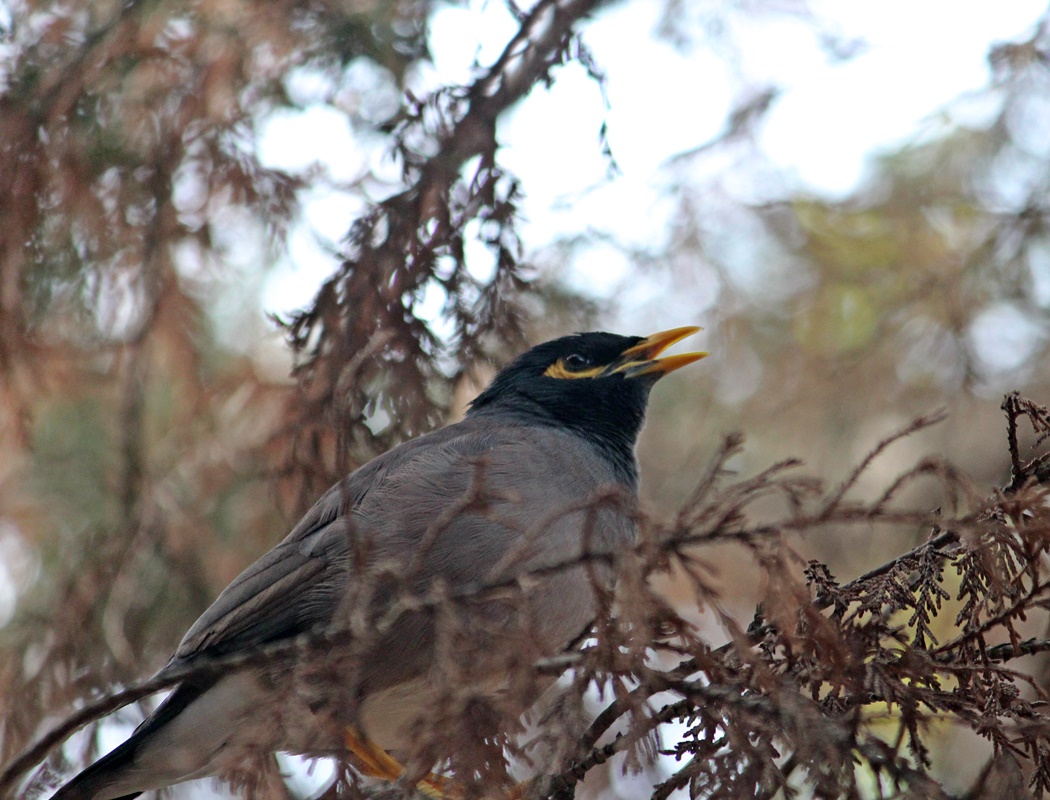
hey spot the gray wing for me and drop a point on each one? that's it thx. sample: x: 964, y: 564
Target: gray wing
x: 527, y: 474
x: 295, y: 587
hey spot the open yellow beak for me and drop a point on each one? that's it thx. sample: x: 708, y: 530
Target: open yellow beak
x: 641, y: 359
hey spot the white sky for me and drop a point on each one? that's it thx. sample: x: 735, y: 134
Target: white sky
x: 830, y: 118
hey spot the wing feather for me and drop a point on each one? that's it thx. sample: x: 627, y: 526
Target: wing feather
x: 298, y: 585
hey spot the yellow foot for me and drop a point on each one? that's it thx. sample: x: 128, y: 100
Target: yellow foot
x: 375, y: 762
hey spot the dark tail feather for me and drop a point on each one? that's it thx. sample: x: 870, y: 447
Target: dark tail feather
x: 104, y: 772
x: 99, y: 775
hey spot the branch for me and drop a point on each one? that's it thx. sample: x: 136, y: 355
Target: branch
x: 562, y: 785
x: 204, y: 666
x: 1016, y: 609
x: 917, y: 424
x: 649, y: 549
x: 38, y: 750
x: 403, y: 242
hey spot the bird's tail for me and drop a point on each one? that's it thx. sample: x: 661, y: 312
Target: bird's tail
x: 93, y: 782
x: 117, y: 775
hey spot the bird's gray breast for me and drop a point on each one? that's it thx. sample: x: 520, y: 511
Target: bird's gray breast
x: 508, y: 529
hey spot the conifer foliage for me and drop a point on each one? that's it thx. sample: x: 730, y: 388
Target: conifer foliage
x: 144, y: 459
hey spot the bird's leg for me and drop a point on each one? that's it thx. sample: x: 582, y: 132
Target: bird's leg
x: 375, y: 762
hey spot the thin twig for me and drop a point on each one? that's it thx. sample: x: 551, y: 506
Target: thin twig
x: 917, y: 424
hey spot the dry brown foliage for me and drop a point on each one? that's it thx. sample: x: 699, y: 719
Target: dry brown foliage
x: 830, y: 692
x: 835, y: 690
x: 127, y: 144
x: 361, y: 347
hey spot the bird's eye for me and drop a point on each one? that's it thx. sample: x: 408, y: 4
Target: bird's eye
x: 576, y: 362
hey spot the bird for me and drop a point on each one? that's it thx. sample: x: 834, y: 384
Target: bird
x: 479, y: 504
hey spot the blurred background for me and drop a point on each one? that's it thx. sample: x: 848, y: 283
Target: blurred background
x: 850, y: 198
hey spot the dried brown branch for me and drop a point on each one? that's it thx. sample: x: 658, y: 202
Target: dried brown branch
x: 786, y: 701
x: 407, y: 242
x: 917, y: 424
x: 931, y: 553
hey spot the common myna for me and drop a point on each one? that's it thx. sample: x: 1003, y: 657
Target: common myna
x: 496, y: 514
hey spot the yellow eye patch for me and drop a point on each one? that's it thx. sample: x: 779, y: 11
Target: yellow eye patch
x: 559, y: 370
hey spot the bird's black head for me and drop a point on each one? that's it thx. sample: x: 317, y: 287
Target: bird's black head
x: 594, y: 384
